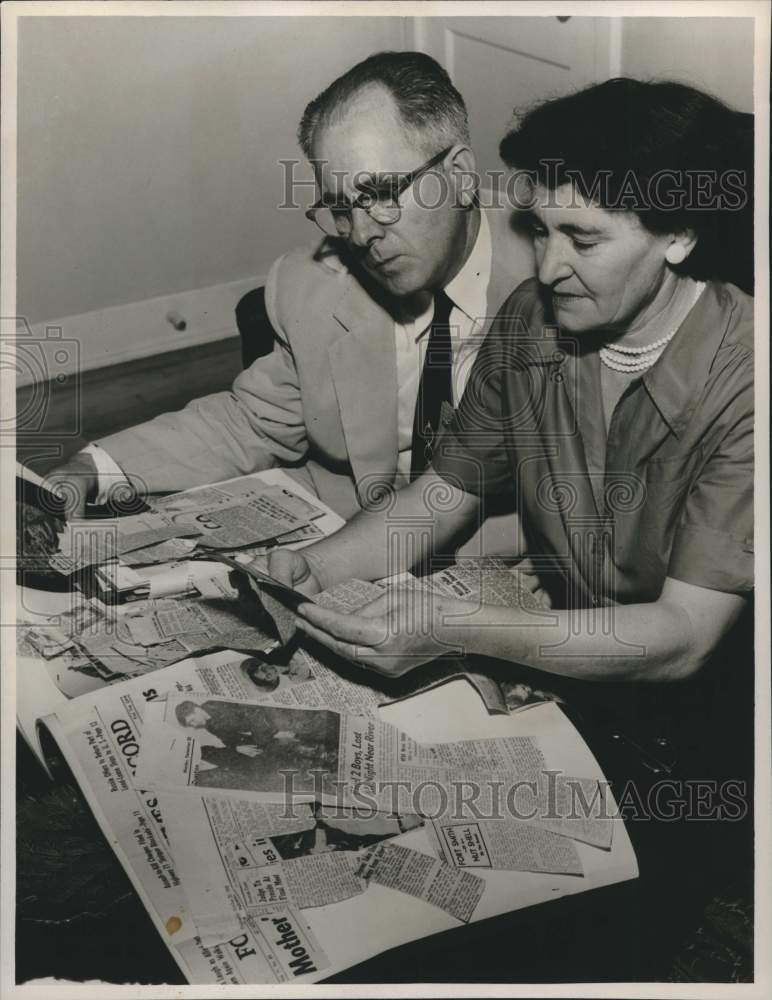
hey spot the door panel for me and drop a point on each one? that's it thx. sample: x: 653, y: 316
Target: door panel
x: 505, y: 63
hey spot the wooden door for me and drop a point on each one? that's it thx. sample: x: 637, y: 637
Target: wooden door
x: 505, y: 63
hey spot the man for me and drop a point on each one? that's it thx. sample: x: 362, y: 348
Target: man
x: 250, y: 745
x: 405, y: 241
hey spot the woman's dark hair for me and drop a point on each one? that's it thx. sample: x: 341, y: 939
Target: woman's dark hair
x: 677, y: 157
x: 252, y: 666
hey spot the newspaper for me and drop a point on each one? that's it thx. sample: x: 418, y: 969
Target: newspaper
x: 241, y: 512
x: 275, y: 948
x: 180, y: 548
x: 101, y: 740
x: 239, y: 858
x: 484, y: 581
x: 170, y: 550
x: 280, y: 753
x: 397, y: 867
x: 203, y: 499
x: 504, y: 843
x: 232, y: 515
x: 85, y: 543
x: 91, y: 644
x: 264, y: 864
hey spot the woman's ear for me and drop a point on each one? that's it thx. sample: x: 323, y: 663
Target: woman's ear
x: 462, y: 171
x: 680, y: 246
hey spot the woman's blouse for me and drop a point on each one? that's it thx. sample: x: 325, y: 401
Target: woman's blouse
x: 672, y: 493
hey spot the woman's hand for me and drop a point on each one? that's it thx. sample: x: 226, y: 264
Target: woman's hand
x: 533, y: 582
x: 397, y: 632
x: 295, y: 570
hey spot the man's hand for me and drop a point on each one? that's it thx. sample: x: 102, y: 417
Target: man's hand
x: 75, y: 481
x: 295, y: 570
x: 395, y: 633
x: 248, y: 750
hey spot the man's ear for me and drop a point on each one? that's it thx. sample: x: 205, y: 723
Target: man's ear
x: 680, y: 246
x: 462, y: 171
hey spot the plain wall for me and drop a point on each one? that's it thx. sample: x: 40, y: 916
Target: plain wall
x: 149, y: 147
x: 712, y: 53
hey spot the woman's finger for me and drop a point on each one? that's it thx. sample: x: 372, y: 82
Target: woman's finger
x: 346, y: 649
x: 349, y: 628
x: 376, y: 608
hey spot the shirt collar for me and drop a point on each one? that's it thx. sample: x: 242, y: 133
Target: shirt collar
x: 468, y: 290
x: 676, y: 381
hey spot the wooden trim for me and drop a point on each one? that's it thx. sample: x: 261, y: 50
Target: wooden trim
x: 74, y: 344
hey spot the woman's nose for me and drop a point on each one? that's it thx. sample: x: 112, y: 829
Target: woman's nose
x: 552, y: 263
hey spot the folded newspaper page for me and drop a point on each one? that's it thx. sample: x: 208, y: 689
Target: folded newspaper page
x: 261, y: 877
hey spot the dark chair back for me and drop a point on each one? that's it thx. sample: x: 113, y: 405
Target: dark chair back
x: 254, y: 326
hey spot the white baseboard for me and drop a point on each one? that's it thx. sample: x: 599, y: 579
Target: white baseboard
x: 62, y: 347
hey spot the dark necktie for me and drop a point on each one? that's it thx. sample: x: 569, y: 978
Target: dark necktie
x: 435, y: 387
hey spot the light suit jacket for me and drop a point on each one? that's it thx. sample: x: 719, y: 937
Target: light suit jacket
x: 323, y: 401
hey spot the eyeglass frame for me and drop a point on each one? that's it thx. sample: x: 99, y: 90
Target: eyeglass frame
x: 406, y: 182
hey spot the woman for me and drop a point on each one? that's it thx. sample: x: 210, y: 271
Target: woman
x: 264, y: 675
x: 613, y: 395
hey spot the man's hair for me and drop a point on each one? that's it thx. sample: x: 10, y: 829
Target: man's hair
x: 631, y: 135
x: 427, y: 101
x: 183, y: 710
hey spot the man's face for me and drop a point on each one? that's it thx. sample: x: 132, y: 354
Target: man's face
x: 197, y: 718
x: 603, y: 268
x: 427, y: 245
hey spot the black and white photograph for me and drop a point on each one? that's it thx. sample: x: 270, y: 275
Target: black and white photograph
x: 352, y: 299
x: 241, y: 745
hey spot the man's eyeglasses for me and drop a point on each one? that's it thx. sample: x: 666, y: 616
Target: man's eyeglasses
x: 380, y: 200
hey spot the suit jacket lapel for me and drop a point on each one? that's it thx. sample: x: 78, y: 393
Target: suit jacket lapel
x: 364, y: 370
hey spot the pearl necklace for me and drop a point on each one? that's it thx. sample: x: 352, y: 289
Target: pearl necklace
x: 634, y: 359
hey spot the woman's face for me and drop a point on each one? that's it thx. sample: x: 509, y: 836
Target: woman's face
x: 265, y: 672
x: 604, y: 268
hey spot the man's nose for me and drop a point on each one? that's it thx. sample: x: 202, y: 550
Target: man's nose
x: 364, y: 229
x: 552, y: 263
